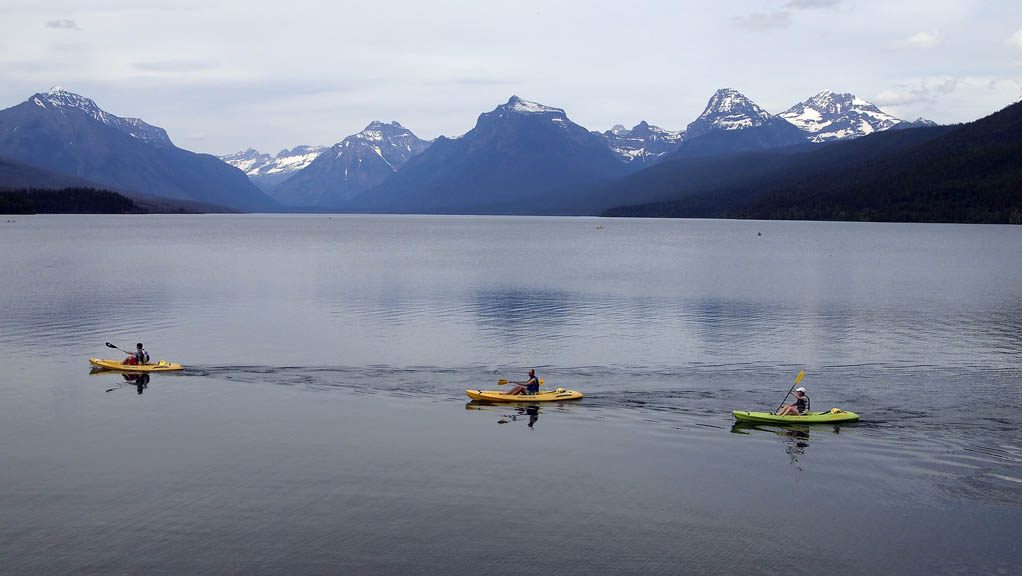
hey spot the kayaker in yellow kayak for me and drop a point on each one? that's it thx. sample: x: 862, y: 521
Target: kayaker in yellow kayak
x: 139, y: 357
x: 799, y: 406
x: 529, y: 387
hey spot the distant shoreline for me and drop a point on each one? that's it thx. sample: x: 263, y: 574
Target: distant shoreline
x: 84, y: 200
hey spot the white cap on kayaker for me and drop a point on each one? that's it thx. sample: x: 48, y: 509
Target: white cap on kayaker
x: 800, y: 389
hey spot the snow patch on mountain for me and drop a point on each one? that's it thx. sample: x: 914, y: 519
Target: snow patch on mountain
x: 644, y: 143
x: 829, y: 116
x: 254, y: 164
x: 516, y: 104
x: 517, y: 107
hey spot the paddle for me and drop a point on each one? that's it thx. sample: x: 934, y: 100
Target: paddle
x: 501, y: 382
x: 109, y: 345
x: 797, y: 380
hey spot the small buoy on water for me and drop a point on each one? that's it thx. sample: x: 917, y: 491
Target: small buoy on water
x: 759, y: 233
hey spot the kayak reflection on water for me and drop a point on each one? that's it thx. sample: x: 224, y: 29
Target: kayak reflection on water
x: 141, y: 381
x: 796, y: 438
x: 532, y: 411
x: 521, y: 412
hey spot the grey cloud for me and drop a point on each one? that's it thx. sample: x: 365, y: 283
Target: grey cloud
x: 779, y: 19
x: 63, y: 24
x: 925, y: 91
x: 763, y: 20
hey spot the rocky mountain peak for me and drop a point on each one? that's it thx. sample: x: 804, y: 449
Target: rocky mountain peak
x: 520, y: 106
x: 727, y: 109
x: 62, y: 101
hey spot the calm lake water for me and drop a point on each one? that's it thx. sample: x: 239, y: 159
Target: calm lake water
x: 321, y: 424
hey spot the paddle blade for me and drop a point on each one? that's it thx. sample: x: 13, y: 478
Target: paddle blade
x: 800, y: 375
x: 109, y: 345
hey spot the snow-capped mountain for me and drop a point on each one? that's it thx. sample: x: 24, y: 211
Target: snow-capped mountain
x: 359, y: 162
x: 642, y: 145
x: 62, y: 101
x: 731, y: 123
x: 249, y: 161
x: 69, y: 134
x: 829, y: 116
x: 267, y: 171
x: 728, y: 109
x: 517, y: 156
x: 917, y: 123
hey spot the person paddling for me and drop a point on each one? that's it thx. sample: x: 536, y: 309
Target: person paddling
x: 139, y: 357
x: 799, y: 406
x: 531, y: 386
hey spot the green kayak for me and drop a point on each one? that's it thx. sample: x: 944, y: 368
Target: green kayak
x: 834, y: 415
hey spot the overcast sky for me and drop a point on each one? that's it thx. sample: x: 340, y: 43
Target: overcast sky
x: 224, y: 76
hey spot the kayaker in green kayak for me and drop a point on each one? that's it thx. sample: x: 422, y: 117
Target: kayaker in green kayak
x: 529, y: 387
x: 139, y: 357
x: 799, y: 406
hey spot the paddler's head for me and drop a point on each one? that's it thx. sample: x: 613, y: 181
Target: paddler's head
x: 532, y: 372
x: 800, y: 390
x: 139, y: 345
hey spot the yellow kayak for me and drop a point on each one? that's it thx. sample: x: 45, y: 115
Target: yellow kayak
x: 545, y: 396
x: 161, y: 366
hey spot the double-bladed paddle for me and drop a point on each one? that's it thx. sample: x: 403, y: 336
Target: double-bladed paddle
x: 501, y: 382
x: 109, y: 345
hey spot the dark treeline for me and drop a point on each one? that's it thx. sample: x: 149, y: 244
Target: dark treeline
x: 67, y: 201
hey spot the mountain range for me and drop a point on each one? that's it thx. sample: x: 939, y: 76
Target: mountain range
x: 522, y: 157
x: 356, y: 173
x: 965, y: 173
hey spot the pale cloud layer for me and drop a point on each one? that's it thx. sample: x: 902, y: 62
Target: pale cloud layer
x: 221, y: 76
x: 924, y: 40
x: 763, y: 20
x: 1016, y: 39
x: 810, y: 4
